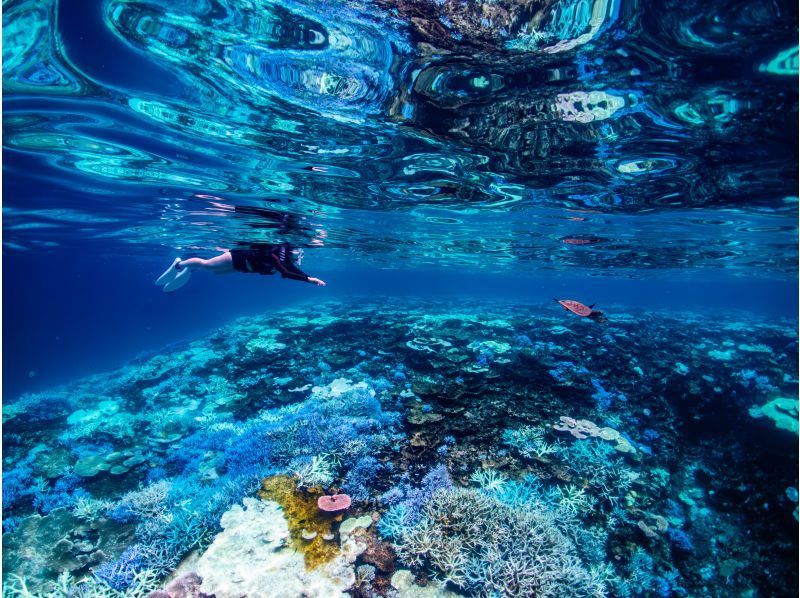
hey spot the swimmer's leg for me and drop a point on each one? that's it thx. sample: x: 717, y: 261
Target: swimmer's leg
x: 221, y: 264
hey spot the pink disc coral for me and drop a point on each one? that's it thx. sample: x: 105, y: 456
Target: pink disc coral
x: 334, y: 503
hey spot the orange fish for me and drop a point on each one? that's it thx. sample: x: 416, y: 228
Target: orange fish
x: 584, y: 311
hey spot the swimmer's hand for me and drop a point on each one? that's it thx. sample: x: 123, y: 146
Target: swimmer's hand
x: 316, y: 281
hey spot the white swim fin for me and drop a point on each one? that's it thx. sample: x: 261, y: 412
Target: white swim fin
x: 169, y: 274
x: 180, y: 279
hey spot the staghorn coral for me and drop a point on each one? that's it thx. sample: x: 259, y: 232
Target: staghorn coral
x: 395, y: 522
x: 363, y: 474
x: 488, y: 479
x: 477, y: 543
x: 364, y: 575
x: 316, y: 472
x: 142, y: 585
x: 600, y: 467
x: 529, y: 442
x: 149, y: 502
x: 413, y: 499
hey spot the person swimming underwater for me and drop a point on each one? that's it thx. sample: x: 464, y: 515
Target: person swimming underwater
x: 261, y: 259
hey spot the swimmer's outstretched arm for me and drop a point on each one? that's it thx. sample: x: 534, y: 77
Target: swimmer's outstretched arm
x: 293, y: 272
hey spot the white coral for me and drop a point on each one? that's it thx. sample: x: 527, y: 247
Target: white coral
x: 317, y: 473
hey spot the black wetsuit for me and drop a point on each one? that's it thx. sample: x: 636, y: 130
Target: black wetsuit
x: 267, y: 259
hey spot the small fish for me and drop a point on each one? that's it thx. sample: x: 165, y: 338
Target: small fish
x: 574, y: 241
x: 584, y: 311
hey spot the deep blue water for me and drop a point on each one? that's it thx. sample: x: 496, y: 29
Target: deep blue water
x: 107, y: 311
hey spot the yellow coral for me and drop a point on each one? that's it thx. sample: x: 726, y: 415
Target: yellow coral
x: 302, y: 513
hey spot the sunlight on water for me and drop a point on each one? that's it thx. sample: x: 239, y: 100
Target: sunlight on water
x: 486, y: 124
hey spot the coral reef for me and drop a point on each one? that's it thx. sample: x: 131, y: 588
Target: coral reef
x: 477, y: 543
x: 253, y: 556
x: 623, y: 456
x: 784, y: 412
x: 43, y: 547
x: 307, y: 526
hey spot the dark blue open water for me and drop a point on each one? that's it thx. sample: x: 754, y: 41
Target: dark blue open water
x: 441, y: 161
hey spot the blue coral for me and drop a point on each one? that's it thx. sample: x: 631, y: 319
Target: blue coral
x: 18, y: 483
x: 120, y: 574
x: 395, y: 522
x: 680, y: 540
x: 359, y: 479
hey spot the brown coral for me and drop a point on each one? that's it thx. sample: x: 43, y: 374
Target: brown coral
x: 379, y: 554
x: 302, y: 513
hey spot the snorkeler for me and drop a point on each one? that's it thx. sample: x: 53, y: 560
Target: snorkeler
x: 261, y: 259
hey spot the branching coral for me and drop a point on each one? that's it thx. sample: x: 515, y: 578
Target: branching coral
x: 529, y: 442
x: 414, y: 499
x: 395, y: 522
x: 488, y: 479
x: 364, y: 575
x: 317, y: 472
x: 149, y: 502
x: 361, y: 476
x: 600, y: 466
x: 476, y: 542
x: 90, y: 508
x: 574, y: 499
x: 120, y: 574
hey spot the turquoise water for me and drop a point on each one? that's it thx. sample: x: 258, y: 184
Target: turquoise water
x: 450, y: 168
x: 440, y: 141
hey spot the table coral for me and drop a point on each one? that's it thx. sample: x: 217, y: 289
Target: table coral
x: 782, y: 411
